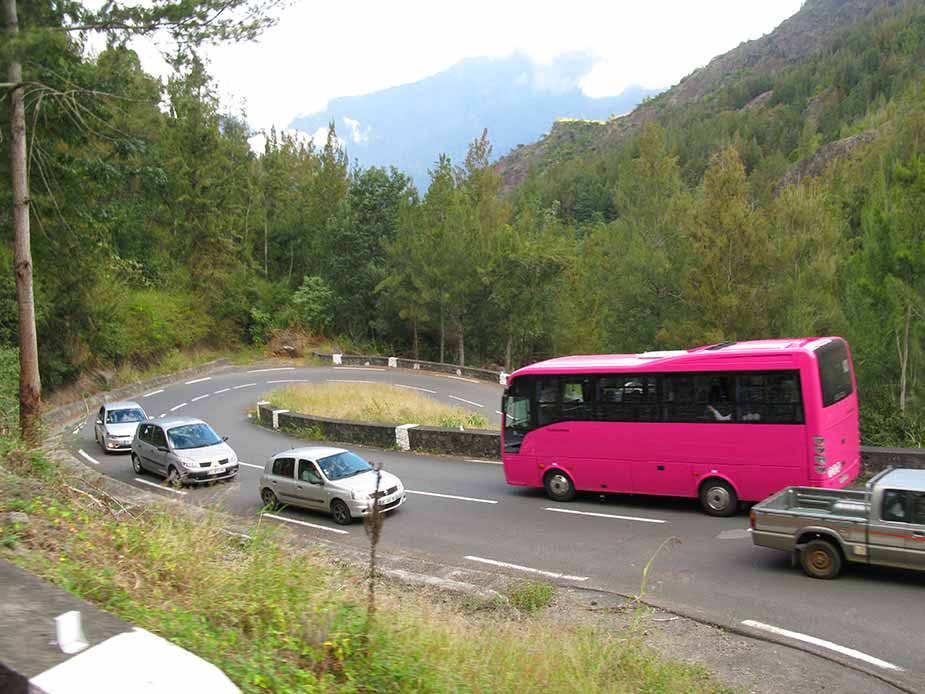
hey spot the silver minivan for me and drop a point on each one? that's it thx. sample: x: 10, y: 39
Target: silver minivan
x: 185, y: 450
x: 116, y: 423
x: 333, y: 480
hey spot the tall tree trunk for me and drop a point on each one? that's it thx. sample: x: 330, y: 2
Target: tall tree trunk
x: 507, y: 353
x: 266, y: 232
x: 414, y: 327
x: 903, y: 349
x: 462, y: 346
x: 442, y: 334
x: 30, y: 383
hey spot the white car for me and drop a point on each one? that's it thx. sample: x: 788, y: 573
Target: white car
x: 116, y: 423
x: 185, y: 450
x: 333, y: 480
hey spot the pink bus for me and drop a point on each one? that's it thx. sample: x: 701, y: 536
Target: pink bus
x: 731, y: 422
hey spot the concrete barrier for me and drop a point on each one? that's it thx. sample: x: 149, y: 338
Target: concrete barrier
x: 874, y: 459
x: 415, y: 364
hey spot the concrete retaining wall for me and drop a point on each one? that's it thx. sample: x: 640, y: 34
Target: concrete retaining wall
x: 476, y: 443
x: 398, y: 362
x: 875, y: 459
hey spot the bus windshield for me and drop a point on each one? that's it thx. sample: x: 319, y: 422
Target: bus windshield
x: 516, y: 414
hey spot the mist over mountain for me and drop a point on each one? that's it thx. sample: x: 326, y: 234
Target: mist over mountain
x: 516, y: 98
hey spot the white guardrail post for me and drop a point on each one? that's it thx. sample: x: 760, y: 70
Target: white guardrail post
x: 393, y: 362
x: 502, y: 378
x: 337, y: 359
x: 401, y: 436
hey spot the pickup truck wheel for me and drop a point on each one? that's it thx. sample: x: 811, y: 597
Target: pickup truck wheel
x: 820, y: 559
x: 718, y: 498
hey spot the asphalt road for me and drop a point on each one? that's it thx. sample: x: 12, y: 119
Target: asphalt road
x: 713, y: 571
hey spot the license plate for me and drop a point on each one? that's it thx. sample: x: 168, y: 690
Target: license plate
x: 215, y: 471
x: 843, y: 478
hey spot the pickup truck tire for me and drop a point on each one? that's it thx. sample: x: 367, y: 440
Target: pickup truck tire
x: 820, y: 559
x: 718, y: 498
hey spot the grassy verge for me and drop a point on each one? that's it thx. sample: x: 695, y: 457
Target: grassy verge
x: 279, y: 619
x: 375, y: 403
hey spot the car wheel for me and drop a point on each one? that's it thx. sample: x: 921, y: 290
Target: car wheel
x: 340, y: 512
x: 173, y: 477
x: 269, y: 499
x: 718, y: 498
x: 559, y: 486
x: 820, y: 559
x: 136, y: 464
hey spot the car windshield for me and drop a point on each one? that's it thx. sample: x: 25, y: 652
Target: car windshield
x: 193, y: 436
x: 127, y: 416
x: 341, y: 465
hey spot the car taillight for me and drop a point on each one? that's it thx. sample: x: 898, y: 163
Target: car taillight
x: 751, y: 520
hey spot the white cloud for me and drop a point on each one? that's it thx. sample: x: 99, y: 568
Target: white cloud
x: 356, y: 133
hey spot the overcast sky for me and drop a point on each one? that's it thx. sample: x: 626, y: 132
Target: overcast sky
x: 322, y: 50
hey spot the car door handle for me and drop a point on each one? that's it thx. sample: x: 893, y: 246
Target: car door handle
x: 272, y: 481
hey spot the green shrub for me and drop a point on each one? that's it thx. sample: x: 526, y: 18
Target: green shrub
x: 9, y: 390
x: 532, y: 596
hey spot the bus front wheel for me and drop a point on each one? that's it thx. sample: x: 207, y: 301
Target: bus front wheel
x: 559, y: 486
x: 718, y: 498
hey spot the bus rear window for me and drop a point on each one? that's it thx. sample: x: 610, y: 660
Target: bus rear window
x: 834, y: 372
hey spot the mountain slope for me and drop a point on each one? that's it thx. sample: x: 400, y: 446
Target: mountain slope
x: 409, y: 126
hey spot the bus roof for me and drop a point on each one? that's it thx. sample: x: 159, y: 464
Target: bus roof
x: 757, y: 354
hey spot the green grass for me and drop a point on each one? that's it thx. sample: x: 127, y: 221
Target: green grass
x: 276, y: 618
x: 375, y: 403
x: 532, y: 596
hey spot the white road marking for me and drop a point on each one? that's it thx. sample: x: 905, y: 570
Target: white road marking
x: 309, y: 525
x: 163, y: 414
x: 479, y: 460
x: 177, y: 407
x: 359, y: 368
x: 850, y: 652
x: 460, y: 378
x: 345, y: 380
x: 468, y: 402
x: 199, y: 380
x: 259, y: 467
x: 223, y: 390
x: 76, y: 429
x: 160, y: 486
x: 451, y: 496
x: 423, y: 390
x: 605, y: 515
x: 280, y: 368
x: 153, y: 392
x: 243, y: 385
x: 503, y: 564
x: 291, y: 380
x: 83, y: 454
x: 201, y: 397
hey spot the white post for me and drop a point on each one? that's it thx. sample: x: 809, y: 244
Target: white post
x: 337, y: 359
x: 502, y: 378
x: 276, y: 414
x: 402, y: 440
x: 393, y: 362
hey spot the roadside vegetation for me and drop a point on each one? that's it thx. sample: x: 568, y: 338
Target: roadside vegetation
x: 379, y: 403
x: 276, y: 618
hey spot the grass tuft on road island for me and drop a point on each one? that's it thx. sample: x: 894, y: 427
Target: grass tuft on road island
x: 379, y: 403
x: 275, y: 618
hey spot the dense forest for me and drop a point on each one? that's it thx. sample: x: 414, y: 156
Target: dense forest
x: 156, y: 227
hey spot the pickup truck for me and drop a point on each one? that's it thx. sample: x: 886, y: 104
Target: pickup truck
x: 824, y: 529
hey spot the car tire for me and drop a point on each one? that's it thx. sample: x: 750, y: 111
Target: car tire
x: 340, y: 512
x: 136, y: 465
x: 718, y: 498
x: 269, y: 498
x: 821, y: 559
x: 559, y: 486
x: 173, y: 477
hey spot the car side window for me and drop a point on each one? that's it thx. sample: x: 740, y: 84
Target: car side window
x: 144, y: 433
x: 308, y: 472
x: 284, y: 467
x: 101, y: 415
x: 918, y: 508
x: 895, y: 506
x: 158, y: 438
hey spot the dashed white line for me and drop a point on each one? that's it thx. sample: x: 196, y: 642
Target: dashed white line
x: 480, y: 460
x: 423, y: 390
x: 460, y: 378
x: 468, y: 402
x: 844, y: 650
x: 243, y: 385
x: 291, y: 380
x: 162, y: 415
x: 153, y: 392
x: 160, y: 486
x: 518, y: 567
x: 605, y: 515
x: 259, y: 467
x: 309, y: 525
x: 200, y: 397
x: 345, y: 380
x: 359, y: 368
x: 83, y: 454
x: 451, y: 496
x: 223, y: 390
x: 199, y: 380
x: 177, y: 407
x: 280, y: 368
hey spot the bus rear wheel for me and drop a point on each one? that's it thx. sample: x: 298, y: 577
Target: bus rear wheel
x: 718, y: 498
x: 559, y: 486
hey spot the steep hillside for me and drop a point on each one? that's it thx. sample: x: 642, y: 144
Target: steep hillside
x: 514, y: 97
x: 811, y: 31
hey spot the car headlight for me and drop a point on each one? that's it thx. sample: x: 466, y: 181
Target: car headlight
x: 233, y: 458
x: 357, y: 496
x: 188, y: 463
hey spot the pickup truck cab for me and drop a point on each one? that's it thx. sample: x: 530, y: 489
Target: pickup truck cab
x: 824, y: 529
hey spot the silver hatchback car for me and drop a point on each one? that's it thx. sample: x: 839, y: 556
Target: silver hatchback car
x: 334, y: 480
x: 185, y: 450
x: 116, y: 423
